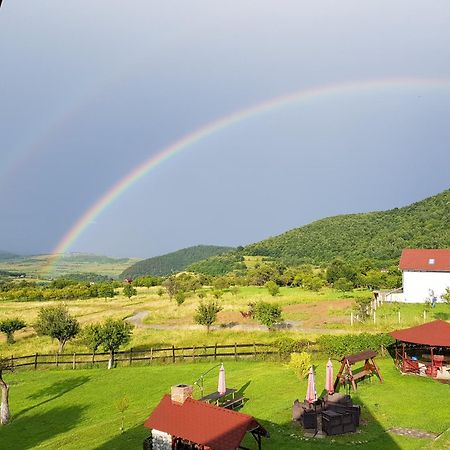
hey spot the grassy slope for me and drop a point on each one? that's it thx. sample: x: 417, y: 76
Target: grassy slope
x: 173, y: 262
x: 77, y: 409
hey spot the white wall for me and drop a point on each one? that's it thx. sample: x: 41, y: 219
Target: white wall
x: 417, y: 285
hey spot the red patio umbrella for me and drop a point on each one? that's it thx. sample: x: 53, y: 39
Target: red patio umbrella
x: 221, y: 387
x: 311, y: 394
x: 329, y: 385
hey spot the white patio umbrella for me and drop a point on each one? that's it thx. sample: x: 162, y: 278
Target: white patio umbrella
x: 311, y: 394
x: 329, y: 385
x: 221, y: 387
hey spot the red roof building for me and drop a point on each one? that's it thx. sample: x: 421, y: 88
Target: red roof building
x: 434, y: 334
x: 426, y: 260
x: 203, y: 424
x: 426, y: 274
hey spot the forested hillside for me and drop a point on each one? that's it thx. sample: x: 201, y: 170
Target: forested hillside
x: 7, y: 255
x: 173, y: 262
x: 380, y: 236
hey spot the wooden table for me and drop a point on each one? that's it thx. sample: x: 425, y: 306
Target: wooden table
x: 216, y: 397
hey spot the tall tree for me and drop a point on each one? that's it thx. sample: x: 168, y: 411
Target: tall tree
x: 56, y: 322
x: 10, y: 326
x: 129, y: 290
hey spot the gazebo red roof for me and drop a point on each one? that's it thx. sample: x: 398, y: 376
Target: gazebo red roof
x: 425, y: 259
x: 435, y: 334
x: 202, y: 423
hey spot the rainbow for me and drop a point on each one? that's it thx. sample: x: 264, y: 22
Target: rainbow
x: 220, y: 124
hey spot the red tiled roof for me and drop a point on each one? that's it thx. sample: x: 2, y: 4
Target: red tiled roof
x: 436, y: 333
x: 202, y: 423
x: 429, y: 260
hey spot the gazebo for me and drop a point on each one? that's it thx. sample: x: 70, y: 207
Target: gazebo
x: 424, y: 349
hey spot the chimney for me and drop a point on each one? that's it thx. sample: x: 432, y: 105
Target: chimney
x: 181, y: 392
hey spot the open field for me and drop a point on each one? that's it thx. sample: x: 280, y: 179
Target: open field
x: 308, y: 314
x: 36, y: 266
x: 77, y: 409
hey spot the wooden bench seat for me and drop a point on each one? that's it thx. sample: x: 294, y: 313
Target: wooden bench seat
x: 233, y: 403
x: 361, y: 374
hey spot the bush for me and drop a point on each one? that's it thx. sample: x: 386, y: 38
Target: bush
x: 287, y: 345
x: 273, y: 288
x: 343, y: 285
x: 300, y: 363
x: 267, y: 314
x: 347, y: 344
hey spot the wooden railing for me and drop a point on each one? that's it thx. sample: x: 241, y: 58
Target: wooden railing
x: 170, y: 354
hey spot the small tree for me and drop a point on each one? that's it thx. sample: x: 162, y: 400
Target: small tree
x: 363, y: 308
x: 267, y: 314
x: 92, y: 336
x: 446, y: 295
x: 129, y: 291
x: 180, y: 297
x: 122, y: 405
x: 206, y: 313
x: 273, y: 288
x: 10, y: 326
x: 56, y: 322
x: 5, y: 364
x: 115, y: 333
x: 105, y: 290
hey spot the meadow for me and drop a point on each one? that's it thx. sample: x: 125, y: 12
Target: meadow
x: 307, y: 314
x: 78, y: 409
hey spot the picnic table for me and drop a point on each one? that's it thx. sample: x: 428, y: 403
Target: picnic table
x: 227, y: 400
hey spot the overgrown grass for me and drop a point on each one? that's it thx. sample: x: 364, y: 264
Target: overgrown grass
x: 77, y: 409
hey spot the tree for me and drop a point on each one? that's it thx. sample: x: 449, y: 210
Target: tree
x: 206, y: 313
x: 105, y: 290
x: 180, y: 297
x: 171, y: 286
x: 273, y: 288
x: 446, y: 295
x: 10, y: 326
x: 312, y: 282
x: 343, y: 285
x: 5, y: 364
x: 267, y: 314
x: 92, y: 336
x: 56, y: 322
x: 129, y: 291
x: 115, y: 333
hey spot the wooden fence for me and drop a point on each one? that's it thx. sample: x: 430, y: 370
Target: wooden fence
x: 167, y: 355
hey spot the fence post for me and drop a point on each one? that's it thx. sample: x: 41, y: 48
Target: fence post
x: 35, y: 361
x: 93, y: 357
x: 193, y: 353
x: 56, y: 359
x: 151, y: 354
x: 215, y: 352
x: 254, y: 350
x: 235, y: 351
x: 12, y: 362
x: 131, y: 355
x: 74, y: 361
x: 173, y: 353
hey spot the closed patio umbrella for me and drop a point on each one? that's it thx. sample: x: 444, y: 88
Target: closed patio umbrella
x: 221, y: 387
x: 329, y: 385
x: 311, y: 395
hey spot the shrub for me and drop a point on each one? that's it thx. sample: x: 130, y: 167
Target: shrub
x: 267, y: 314
x: 343, y: 285
x: 287, y: 345
x: 300, y: 363
x: 273, y: 288
x: 180, y: 297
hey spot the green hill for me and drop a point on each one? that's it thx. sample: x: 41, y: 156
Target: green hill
x: 173, y: 262
x: 380, y: 236
x: 7, y: 255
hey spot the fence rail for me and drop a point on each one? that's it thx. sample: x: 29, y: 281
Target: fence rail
x: 168, y: 354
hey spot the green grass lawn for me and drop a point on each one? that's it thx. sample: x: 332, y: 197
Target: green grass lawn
x: 77, y: 409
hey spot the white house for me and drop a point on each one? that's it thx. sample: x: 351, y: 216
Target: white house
x: 426, y: 273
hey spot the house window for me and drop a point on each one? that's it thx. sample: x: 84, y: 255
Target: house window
x: 431, y: 261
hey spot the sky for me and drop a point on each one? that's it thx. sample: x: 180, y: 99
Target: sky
x: 89, y: 91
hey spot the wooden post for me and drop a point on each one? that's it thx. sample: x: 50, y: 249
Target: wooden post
x: 35, y: 361
x: 93, y: 357
x: 399, y: 317
x: 374, y: 317
x: 215, y: 352
x: 254, y: 350
x: 235, y: 351
x: 424, y: 315
x: 74, y: 361
x: 56, y: 359
x: 12, y: 362
x: 351, y: 318
x: 151, y: 354
x: 173, y: 353
x: 131, y: 355
x: 193, y: 353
